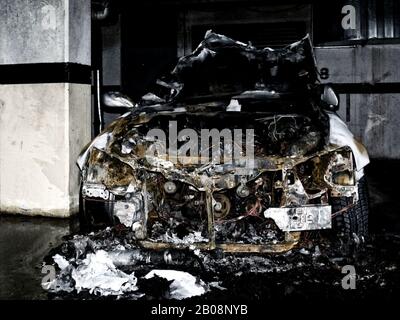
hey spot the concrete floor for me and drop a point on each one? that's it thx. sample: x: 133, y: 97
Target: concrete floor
x: 24, y: 241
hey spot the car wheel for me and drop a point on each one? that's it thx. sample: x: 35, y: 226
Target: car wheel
x: 355, y: 219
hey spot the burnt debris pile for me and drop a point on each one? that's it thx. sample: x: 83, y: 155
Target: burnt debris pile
x: 108, y: 264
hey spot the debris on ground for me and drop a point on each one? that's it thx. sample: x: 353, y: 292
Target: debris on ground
x: 183, y: 285
x: 110, y: 264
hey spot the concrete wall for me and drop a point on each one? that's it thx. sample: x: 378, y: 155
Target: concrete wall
x: 44, y: 31
x: 361, y: 64
x: 372, y: 117
x: 43, y: 125
x: 374, y: 120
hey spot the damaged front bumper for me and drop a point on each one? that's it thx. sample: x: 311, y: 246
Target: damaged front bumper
x: 291, y: 240
x: 291, y: 221
x: 301, y: 218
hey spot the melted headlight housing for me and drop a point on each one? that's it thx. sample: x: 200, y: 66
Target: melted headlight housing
x: 109, y: 171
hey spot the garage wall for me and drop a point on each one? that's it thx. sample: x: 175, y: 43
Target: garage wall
x: 360, y: 64
x: 45, y: 104
x: 44, y: 31
x: 374, y: 120
x: 370, y: 77
x: 234, y: 20
x: 39, y: 144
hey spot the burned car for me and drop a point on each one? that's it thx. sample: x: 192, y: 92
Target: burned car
x: 241, y: 150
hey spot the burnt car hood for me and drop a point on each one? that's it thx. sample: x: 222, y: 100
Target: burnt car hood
x: 221, y: 66
x: 126, y: 140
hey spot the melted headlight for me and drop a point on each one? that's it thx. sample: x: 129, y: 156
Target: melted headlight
x: 104, y: 169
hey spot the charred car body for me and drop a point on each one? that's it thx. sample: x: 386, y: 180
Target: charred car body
x: 305, y: 173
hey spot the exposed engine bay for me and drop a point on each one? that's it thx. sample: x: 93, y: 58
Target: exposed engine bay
x: 154, y: 170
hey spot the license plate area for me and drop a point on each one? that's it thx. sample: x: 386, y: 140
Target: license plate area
x: 301, y: 218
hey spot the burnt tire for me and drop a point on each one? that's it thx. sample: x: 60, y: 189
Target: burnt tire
x: 355, y: 219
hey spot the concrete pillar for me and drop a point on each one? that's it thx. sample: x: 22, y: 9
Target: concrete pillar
x: 45, y: 104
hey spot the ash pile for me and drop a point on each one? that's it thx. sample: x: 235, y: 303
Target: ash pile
x: 109, y: 264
